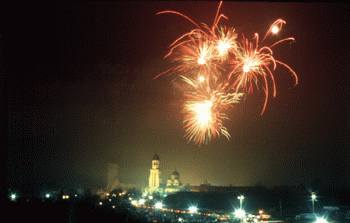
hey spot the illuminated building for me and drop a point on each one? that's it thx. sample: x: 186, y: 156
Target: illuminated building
x: 154, y: 175
x: 173, y: 183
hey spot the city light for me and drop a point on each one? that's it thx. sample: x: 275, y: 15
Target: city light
x: 321, y: 220
x: 240, y: 198
x: 239, y: 213
x: 47, y: 195
x: 134, y: 202
x: 158, y: 205
x: 313, y: 199
x: 142, y: 201
x: 100, y: 203
x: 180, y: 220
x: 113, y: 206
x: 193, y: 209
x: 65, y: 197
x: 313, y: 196
x: 13, y: 197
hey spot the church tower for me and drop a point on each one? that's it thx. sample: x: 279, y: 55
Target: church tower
x: 153, y: 181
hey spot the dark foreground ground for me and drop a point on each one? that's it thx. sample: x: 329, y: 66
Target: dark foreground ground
x: 72, y: 212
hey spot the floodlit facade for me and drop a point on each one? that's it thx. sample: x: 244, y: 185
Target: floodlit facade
x: 154, y: 176
x: 173, y: 183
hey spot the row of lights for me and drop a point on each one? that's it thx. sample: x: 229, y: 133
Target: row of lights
x: 65, y: 197
x: 238, y: 213
x: 14, y: 196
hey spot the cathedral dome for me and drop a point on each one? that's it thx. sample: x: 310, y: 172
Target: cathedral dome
x: 175, y: 173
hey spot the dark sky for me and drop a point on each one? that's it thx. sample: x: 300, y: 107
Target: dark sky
x: 81, y: 94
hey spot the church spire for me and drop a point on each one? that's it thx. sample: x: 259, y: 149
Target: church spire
x: 156, y: 157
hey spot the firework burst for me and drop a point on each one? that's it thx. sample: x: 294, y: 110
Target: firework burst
x: 217, y: 69
x: 254, y: 66
x: 205, y: 111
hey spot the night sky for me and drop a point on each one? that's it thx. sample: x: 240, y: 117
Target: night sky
x: 81, y: 94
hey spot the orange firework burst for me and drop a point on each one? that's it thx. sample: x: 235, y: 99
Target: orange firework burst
x: 204, y: 111
x: 253, y: 65
x: 217, y: 69
x: 202, y: 49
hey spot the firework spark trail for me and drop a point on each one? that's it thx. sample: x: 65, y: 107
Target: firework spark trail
x: 254, y: 65
x: 204, y: 111
x: 217, y: 69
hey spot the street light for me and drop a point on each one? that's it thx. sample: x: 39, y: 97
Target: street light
x: 193, y: 209
x: 313, y: 199
x: 240, y: 198
x: 321, y: 220
x: 142, y: 201
x: 239, y: 213
x: 134, y: 202
x: 158, y: 205
x: 47, y: 195
x: 201, y: 78
x: 13, y: 197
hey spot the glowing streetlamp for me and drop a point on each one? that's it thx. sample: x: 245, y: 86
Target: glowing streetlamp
x: 134, y: 202
x: 13, y: 197
x: 313, y: 199
x: 240, y: 198
x: 142, y: 201
x: 193, y: 209
x: 239, y: 213
x: 321, y: 220
x: 47, y: 195
x: 158, y: 205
